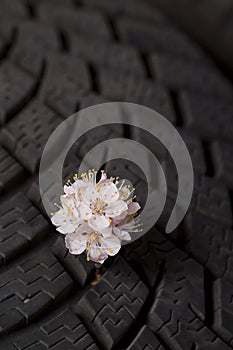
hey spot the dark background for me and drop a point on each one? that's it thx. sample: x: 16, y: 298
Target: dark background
x: 208, y: 22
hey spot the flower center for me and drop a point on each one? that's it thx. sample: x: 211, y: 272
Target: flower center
x: 93, y: 237
x: 98, y: 207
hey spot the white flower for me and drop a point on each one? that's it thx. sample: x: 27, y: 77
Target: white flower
x: 96, y: 217
x: 100, y: 203
x: 97, y: 244
x: 67, y: 218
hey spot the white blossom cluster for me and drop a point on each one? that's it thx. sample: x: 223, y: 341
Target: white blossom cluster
x: 96, y: 216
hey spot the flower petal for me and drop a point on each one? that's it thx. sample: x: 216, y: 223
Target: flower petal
x: 108, y: 192
x: 99, y: 222
x: 122, y: 235
x: 67, y: 228
x: 118, y: 219
x: 83, y: 228
x: 133, y: 208
x: 115, y: 209
x: 88, y: 193
x: 110, y: 245
x: 76, y: 244
x: 97, y: 255
x: 84, y: 211
x: 59, y: 218
x: 68, y: 190
x: 103, y: 178
x: 107, y: 232
x: 124, y: 193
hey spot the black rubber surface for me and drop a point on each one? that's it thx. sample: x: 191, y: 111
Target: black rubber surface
x: 162, y: 292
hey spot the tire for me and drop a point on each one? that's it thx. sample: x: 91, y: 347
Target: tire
x: 162, y: 291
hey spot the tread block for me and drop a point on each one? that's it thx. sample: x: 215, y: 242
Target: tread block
x: 205, y: 111
x: 110, y: 55
x: 29, y: 59
x: 150, y: 37
x: 127, y: 8
x: 111, y: 307
x: 149, y: 141
x: 125, y: 170
x: 223, y: 315
x: 70, y: 20
x: 64, y: 331
x: 179, y: 74
x: 35, y: 196
x: 210, y: 243
x: 145, y: 340
x: 44, y: 37
x: 66, y: 79
x: 71, y: 166
x: 178, y: 308
x: 77, y: 265
x: 151, y: 247
x: 10, y: 170
x: 222, y: 156
x: 15, y: 89
x: 195, y: 148
x: 13, y: 8
x: 33, y: 43
x: 120, y: 87
x: 192, y: 142
x: 26, y: 135
x: 93, y: 138
x: 210, y: 196
x: 21, y: 224
x: 29, y: 288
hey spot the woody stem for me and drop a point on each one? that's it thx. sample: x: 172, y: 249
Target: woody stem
x: 99, y: 270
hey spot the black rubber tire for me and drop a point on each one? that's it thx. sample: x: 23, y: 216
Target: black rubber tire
x: 162, y: 291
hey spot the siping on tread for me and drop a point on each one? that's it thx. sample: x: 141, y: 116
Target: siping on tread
x: 110, y: 308
x: 10, y: 170
x: 21, y: 225
x: 27, y: 289
x: 64, y: 331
